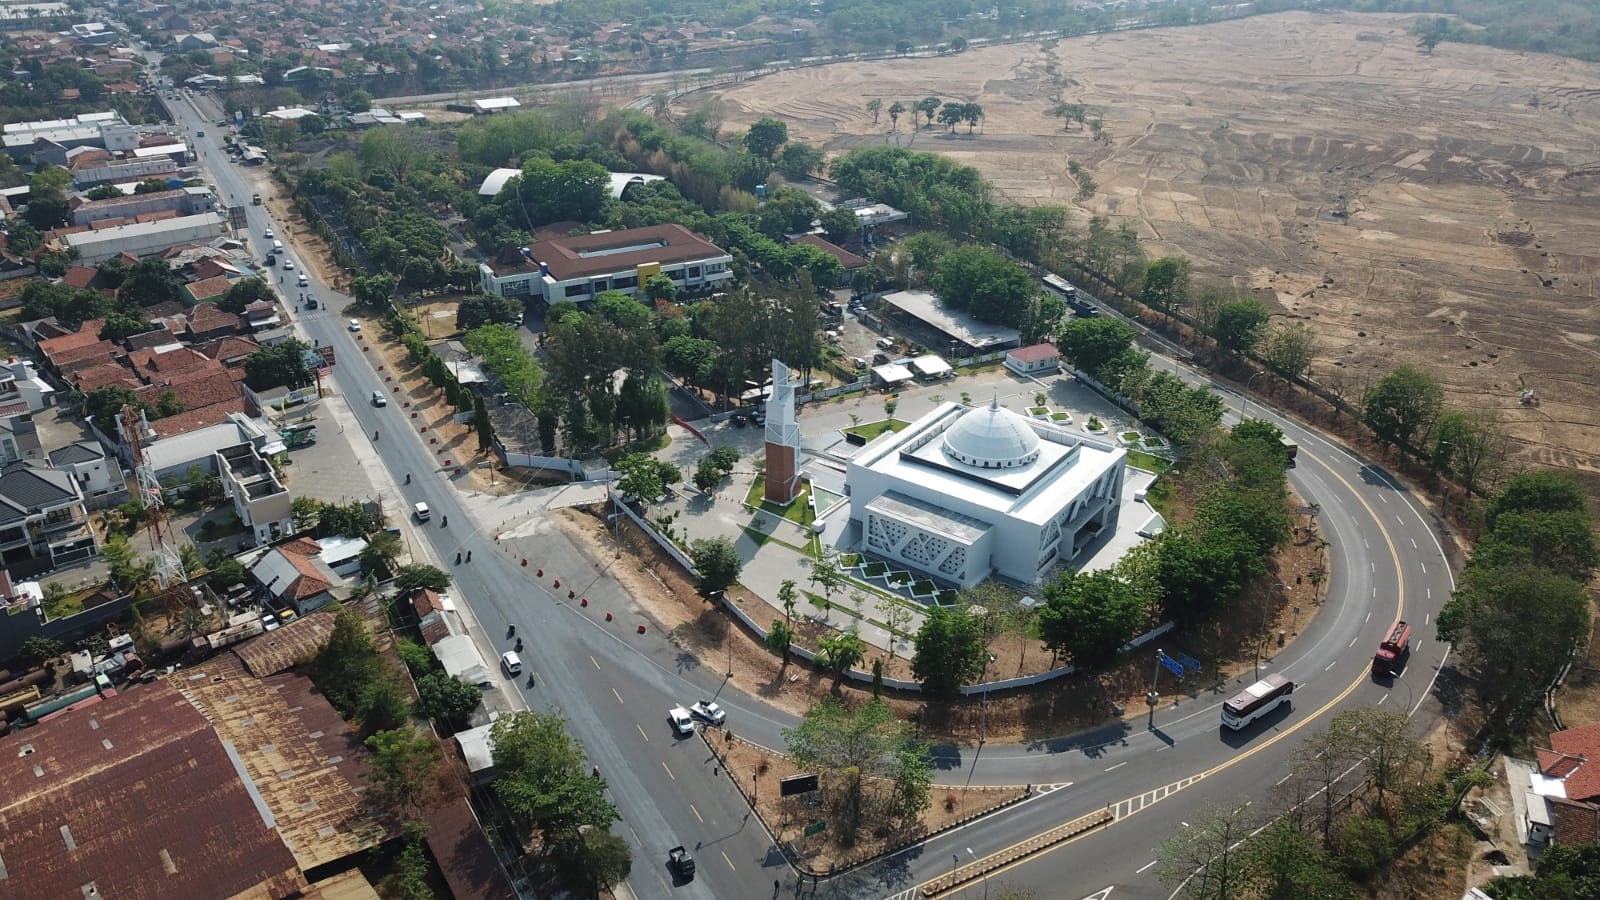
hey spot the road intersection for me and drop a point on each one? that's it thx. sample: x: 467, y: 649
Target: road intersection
x: 1154, y: 771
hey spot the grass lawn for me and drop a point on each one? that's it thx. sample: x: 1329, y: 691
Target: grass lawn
x: 873, y: 429
x: 1130, y: 436
x: 922, y: 587
x: 1160, y: 497
x: 1142, y: 460
x: 798, y: 512
x: 875, y: 570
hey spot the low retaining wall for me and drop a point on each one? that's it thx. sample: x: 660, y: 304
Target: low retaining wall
x: 975, y: 870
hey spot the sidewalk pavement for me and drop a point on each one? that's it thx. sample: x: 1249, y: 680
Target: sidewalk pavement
x: 767, y: 564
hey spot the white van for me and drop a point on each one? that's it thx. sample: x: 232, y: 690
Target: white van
x: 423, y: 512
x: 885, y: 343
x: 511, y: 663
x: 277, y: 246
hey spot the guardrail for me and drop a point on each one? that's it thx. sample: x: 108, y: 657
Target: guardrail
x: 975, y: 870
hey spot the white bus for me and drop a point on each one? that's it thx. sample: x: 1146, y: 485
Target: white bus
x: 1059, y: 286
x: 1256, y: 701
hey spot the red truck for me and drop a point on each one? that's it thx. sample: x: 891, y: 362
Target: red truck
x: 1393, y: 652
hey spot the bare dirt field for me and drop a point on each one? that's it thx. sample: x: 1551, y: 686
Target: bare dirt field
x: 1436, y: 210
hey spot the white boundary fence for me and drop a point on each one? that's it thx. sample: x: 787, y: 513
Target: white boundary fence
x: 856, y: 674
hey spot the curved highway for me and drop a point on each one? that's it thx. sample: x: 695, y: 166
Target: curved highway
x: 1154, y: 772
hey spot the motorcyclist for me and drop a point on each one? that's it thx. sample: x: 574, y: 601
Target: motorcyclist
x: 374, y: 434
x: 444, y: 521
x: 519, y: 645
x: 408, y: 478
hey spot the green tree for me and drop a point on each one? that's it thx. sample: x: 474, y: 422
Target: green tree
x: 928, y: 106
x: 1284, y: 864
x: 1391, y: 758
x: 280, y: 365
x: 373, y: 291
x: 1166, y: 285
x: 477, y: 310
x: 599, y: 861
x: 1239, y: 325
x: 407, y: 773
x: 1089, y: 617
x: 382, y: 702
x: 379, y: 556
x: 950, y: 651
x: 409, y: 878
x: 394, y: 151
x: 780, y: 638
x: 661, y: 289
x: 358, y: 101
x: 874, y: 106
x: 1094, y: 346
x: 765, y: 137
x: 1208, y: 861
x: 38, y: 650
x: 827, y: 574
x: 441, y: 695
x: 416, y: 577
x: 896, y: 110
x: 1539, y: 490
x: 1515, y: 626
x: 244, y: 292
x: 1470, y: 447
x: 840, y: 225
x: 1287, y: 350
x: 543, y: 782
x: 860, y: 749
x: 643, y: 477
x: 838, y: 654
x: 1402, y: 407
x: 984, y: 283
x: 800, y: 160
x: 717, y: 562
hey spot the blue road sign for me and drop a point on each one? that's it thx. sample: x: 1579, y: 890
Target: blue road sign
x: 1188, y: 662
x: 1171, y: 664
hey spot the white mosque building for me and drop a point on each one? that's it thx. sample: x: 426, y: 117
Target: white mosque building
x: 964, y: 493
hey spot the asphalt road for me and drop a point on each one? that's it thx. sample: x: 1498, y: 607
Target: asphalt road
x: 614, y: 696
x: 1155, y: 772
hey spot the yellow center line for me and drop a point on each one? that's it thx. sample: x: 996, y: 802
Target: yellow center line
x: 1133, y: 802
x: 669, y: 772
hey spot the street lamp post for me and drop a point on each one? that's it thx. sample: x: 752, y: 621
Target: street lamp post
x: 983, y: 718
x: 1266, y: 604
x: 1244, y: 398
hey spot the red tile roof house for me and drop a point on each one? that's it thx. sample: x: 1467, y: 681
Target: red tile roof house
x: 1573, y: 760
x: 851, y: 262
x: 291, y: 572
x: 1033, y: 360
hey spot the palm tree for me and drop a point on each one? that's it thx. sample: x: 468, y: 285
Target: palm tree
x: 787, y: 595
x: 380, y: 554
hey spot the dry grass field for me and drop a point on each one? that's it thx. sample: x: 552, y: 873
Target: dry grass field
x: 1439, y: 210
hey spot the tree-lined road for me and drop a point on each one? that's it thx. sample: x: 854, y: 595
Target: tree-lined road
x: 615, y: 686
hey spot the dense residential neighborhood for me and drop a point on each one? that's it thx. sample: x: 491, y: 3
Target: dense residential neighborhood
x: 816, y: 481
